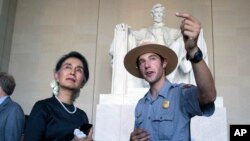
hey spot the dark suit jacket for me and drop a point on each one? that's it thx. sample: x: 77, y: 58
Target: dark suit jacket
x: 11, y: 121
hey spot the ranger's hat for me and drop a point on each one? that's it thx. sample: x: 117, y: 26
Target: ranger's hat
x: 130, y: 60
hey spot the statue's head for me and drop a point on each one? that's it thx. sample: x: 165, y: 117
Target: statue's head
x: 158, y: 12
x: 158, y: 5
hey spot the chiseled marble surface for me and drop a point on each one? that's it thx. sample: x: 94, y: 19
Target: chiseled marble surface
x: 115, y: 119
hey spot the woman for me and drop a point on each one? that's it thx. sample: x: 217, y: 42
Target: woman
x: 56, y: 118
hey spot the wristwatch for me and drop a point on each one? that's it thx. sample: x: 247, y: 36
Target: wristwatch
x: 197, y: 56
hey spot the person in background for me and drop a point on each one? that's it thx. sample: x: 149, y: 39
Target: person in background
x: 56, y: 118
x: 164, y: 113
x: 12, y: 118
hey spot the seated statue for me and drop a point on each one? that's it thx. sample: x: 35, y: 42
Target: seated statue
x: 125, y: 39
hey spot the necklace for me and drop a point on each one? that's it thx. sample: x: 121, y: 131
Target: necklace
x: 65, y: 107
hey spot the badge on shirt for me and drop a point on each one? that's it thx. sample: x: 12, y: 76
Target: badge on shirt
x: 165, y: 104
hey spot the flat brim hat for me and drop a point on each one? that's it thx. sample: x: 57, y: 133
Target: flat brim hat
x: 130, y: 60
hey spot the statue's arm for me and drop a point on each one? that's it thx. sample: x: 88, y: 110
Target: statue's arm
x: 139, y: 35
x: 185, y: 65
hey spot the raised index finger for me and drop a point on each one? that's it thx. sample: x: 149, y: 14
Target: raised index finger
x: 185, y: 16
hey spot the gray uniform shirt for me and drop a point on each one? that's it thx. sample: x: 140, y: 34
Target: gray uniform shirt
x: 167, y: 118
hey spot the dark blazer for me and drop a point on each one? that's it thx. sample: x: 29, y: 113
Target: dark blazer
x: 11, y: 121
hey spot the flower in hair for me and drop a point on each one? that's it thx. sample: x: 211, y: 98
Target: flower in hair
x: 54, y: 86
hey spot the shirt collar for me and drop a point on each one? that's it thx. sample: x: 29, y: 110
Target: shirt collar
x: 163, y: 91
x: 3, y: 98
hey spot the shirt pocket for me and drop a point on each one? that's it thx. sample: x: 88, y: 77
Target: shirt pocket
x: 164, y: 125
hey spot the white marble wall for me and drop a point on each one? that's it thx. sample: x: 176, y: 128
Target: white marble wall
x: 115, y: 115
x: 115, y: 119
x: 212, y: 128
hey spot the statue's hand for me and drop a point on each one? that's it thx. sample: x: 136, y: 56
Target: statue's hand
x: 190, y: 28
x: 121, y: 27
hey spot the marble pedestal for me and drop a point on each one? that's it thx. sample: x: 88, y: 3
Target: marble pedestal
x: 115, y: 119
